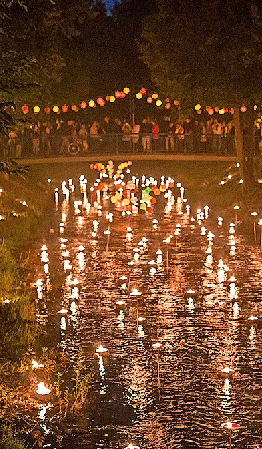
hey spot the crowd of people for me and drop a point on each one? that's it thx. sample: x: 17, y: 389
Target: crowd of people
x: 163, y: 135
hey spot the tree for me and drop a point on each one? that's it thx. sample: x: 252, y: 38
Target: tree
x: 32, y: 34
x: 209, y: 52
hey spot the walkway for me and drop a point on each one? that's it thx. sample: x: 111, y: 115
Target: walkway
x: 127, y: 156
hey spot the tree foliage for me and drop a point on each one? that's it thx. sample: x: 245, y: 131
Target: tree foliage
x: 208, y: 51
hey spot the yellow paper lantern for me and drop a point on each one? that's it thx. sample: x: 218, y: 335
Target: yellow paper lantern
x: 155, y: 96
x: 36, y: 109
x: 139, y: 95
x: 126, y: 90
x: 112, y: 99
x: 91, y: 103
x: 197, y: 107
x: 158, y: 103
x: 56, y: 109
x: 221, y: 111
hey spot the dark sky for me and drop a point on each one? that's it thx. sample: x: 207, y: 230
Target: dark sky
x: 109, y: 4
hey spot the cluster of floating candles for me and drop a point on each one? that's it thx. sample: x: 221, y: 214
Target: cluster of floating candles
x: 96, y: 205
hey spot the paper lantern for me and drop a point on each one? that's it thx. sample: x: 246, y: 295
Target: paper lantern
x: 83, y: 105
x: 149, y: 100
x: 199, y: 111
x: 197, y: 107
x: 216, y: 109
x: 221, y: 111
x: 255, y: 107
x: 112, y: 99
x: 155, y: 96
x: 139, y: 96
x: 56, y: 109
x: 117, y: 94
x: 176, y: 103
x: 232, y: 111
x: 243, y: 109
x: 167, y: 100
x: 108, y: 98
x: 122, y: 95
x: 74, y: 108
x: 143, y: 91
x: 25, y: 109
x: 64, y: 108
x: 91, y: 103
x: 99, y: 100
x: 158, y: 103
x: 168, y: 106
x: 210, y: 111
x: 47, y: 110
x: 36, y: 109
x: 126, y: 90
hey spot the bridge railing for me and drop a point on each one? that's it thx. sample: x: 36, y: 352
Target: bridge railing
x: 118, y: 144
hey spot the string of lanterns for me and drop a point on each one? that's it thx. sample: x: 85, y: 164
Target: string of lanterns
x: 167, y: 103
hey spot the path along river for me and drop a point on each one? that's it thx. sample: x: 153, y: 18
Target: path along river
x: 203, y: 318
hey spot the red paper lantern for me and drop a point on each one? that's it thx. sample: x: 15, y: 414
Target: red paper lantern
x: 122, y: 94
x: 83, y: 105
x: 117, y: 94
x: 143, y: 91
x: 47, y: 110
x: 243, y: 108
x: 100, y: 101
x: 210, y: 111
x: 149, y: 100
x: 168, y: 106
x: 64, y: 108
x: 25, y: 109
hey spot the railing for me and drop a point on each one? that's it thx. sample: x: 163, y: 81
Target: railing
x: 119, y: 143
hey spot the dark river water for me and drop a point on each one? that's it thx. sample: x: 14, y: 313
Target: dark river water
x: 145, y: 396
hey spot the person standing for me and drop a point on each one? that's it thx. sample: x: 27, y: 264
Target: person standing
x: 146, y: 134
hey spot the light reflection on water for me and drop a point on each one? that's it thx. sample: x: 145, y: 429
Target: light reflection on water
x: 201, y: 334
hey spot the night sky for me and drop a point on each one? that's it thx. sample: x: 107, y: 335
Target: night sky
x: 109, y: 4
